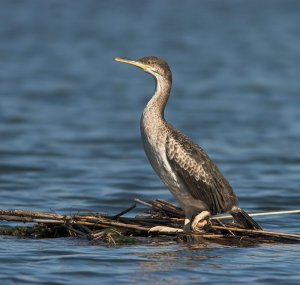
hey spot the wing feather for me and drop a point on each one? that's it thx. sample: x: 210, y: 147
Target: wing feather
x: 199, y: 173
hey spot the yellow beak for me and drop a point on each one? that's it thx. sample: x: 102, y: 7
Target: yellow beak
x: 133, y: 62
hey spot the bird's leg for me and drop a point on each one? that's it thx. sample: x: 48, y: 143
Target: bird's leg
x: 200, y: 221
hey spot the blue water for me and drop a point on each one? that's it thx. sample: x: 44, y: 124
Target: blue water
x: 69, y: 129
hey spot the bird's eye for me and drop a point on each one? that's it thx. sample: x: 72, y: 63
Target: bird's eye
x: 148, y: 62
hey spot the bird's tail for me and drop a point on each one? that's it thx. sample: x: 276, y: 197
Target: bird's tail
x: 241, y: 217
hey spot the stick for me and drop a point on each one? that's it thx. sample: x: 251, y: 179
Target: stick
x: 23, y: 213
x: 260, y: 214
x: 143, y: 202
x: 115, y: 217
x: 257, y: 232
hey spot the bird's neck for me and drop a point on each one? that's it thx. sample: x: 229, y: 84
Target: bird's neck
x: 156, y: 106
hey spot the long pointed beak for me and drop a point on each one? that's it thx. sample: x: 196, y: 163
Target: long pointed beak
x: 133, y: 62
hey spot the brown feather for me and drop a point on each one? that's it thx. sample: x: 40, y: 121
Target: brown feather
x: 199, y: 173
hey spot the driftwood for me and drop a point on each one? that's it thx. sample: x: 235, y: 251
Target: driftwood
x: 119, y: 229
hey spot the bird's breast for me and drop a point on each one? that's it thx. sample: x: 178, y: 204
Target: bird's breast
x: 154, y: 137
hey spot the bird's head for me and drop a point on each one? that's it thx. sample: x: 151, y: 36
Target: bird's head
x: 152, y: 65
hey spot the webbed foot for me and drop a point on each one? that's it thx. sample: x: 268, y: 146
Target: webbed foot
x: 200, y: 221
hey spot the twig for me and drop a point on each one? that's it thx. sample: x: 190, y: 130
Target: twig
x: 23, y: 213
x: 143, y: 202
x: 257, y: 232
x: 115, y: 217
x: 260, y: 214
x: 93, y: 221
x: 71, y: 229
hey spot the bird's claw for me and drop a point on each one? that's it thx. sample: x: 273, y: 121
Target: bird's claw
x: 197, y: 226
x: 200, y: 221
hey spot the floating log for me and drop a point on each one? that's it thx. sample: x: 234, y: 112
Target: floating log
x: 119, y: 229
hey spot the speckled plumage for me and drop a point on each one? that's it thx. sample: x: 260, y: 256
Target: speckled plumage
x: 199, y: 174
x: 184, y: 167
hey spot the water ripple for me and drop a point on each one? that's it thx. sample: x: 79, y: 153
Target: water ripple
x: 69, y: 128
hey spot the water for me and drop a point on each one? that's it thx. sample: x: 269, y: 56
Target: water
x: 69, y: 128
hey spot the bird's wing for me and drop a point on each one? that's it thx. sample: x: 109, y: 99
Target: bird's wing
x: 199, y: 173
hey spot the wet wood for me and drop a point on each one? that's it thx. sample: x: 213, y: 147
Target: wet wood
x: 120, y: 229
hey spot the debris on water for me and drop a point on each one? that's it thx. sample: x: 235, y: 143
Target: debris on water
x: 118, y: 229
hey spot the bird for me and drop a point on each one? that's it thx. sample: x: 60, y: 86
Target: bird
x: 193, y: 178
